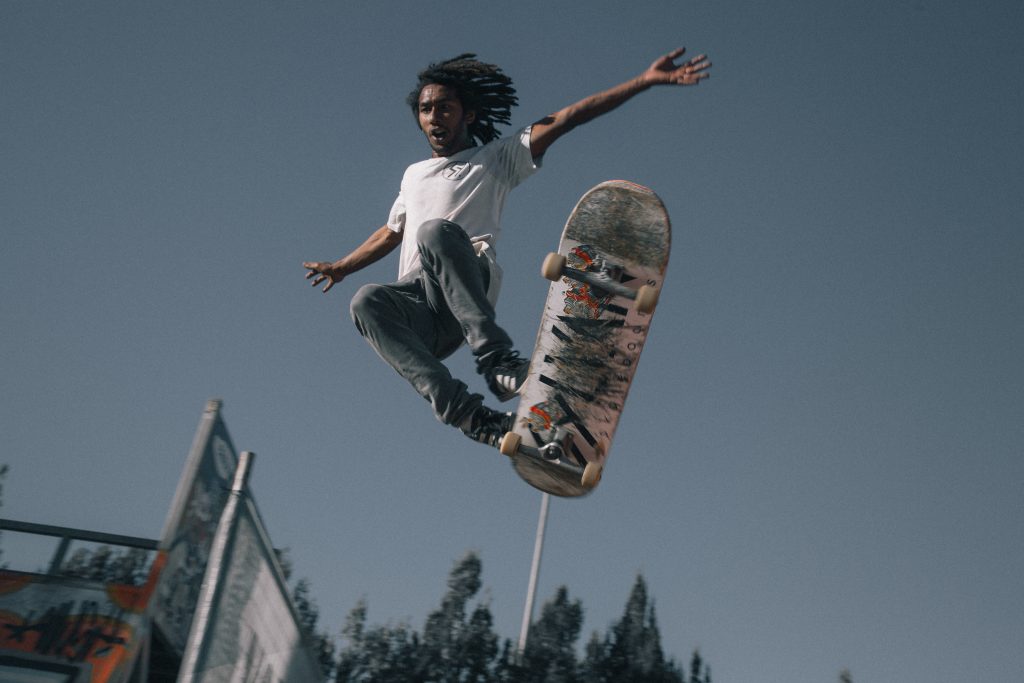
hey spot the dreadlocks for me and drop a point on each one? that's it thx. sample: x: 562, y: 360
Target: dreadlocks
x: 482, y: 88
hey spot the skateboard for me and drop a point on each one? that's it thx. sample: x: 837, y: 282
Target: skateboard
x: 606, y: 279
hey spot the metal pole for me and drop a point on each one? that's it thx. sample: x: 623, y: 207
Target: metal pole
x: 213, y: 580
x: 531, y: 591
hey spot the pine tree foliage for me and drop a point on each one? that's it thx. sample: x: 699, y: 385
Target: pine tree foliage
x: 128, y: 566
x: 699, y: 672
x: 308, y: 614
x: 459, y: 645
x: 380, y: 654
x: 509, y: 668
x: 308, y: 618
x: 550, y: 652
x: 457, y: 649
x: 631, y: 651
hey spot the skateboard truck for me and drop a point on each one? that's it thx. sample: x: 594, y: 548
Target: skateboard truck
x: 602, y: 276
x: 555, y: 449
x: 558, y: 446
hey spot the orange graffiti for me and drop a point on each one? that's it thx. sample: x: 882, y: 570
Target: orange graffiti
x: 136, y: 598
x: 97, y: 640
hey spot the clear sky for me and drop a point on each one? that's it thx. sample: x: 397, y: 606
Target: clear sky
x: 820, y: 465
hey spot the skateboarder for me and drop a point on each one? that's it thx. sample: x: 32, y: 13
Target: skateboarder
x: 447, y: 219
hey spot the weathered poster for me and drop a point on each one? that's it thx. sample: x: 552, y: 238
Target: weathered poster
x: 192, y: 522
x: 59, y: 629
x: 252, y: 632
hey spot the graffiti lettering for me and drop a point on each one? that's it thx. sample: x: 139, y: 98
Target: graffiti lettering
x: 75, y: 631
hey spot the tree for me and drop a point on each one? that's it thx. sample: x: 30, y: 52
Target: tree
x: 507, y: 668
x: 308, y: 617
x: 454, y: 649
x: 550, y: 652
x: 376, y: 655
x: 308, y: 614
x: 631, y: 651
x: 351, y: 659
x: 459, y: 645
x: 479, y: 647
x: 699, y: 672
x: 130, y: 566
x: 592, y: 669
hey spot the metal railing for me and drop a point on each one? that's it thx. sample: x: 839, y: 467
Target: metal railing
x: 67, y: 535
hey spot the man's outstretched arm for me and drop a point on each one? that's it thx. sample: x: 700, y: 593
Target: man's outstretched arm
x: 381, y: 243
x: 664, y: 71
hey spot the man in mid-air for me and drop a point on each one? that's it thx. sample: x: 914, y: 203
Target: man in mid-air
x: 447, y: 220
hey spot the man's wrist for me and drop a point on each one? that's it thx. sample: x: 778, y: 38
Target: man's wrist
x: 643, y: 82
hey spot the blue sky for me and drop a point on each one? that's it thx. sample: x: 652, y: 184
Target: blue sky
x: 820, y: 465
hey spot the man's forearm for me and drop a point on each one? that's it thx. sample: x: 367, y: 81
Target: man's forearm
x: 601, y: 103
x: 381, y: 243
x: 664, y: 70
x: 554, y: 126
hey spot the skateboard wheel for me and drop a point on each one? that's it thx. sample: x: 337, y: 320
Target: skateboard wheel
x: 510, y: 444
x: 591, y: 475
x: 646, y: 299
x: 554, y: 266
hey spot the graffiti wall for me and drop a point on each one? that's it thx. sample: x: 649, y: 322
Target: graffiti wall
x: 56, y: 629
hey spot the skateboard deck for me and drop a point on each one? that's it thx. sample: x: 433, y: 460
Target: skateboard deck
x: 606, y: 278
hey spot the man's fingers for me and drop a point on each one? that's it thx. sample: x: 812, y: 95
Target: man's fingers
x: 317, y: 274
x: 694, y: 71
x: 315, y: 268
x: 697, y: 65
x: 692, y: 79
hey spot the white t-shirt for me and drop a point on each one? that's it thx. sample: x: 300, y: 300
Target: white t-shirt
x: 468, y: 188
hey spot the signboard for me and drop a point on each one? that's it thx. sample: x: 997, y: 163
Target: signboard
x: 191, y: 524
x: 252, y: 633
x: 215, y: 591
x: 59, y: 629
x: 246, y: 628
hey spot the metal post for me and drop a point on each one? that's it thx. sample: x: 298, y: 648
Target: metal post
x: 531, y: 591
x: 195, y: 647
x: 58, y: 557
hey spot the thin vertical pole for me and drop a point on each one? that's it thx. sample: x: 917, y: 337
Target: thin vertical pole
x: 213, y: 580
x: 531, y: 591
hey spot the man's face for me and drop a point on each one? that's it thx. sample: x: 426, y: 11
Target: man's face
x: 443, y: 120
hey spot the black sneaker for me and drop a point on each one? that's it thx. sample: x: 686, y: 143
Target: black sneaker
x: 506, y: 374
x: 488, y: 426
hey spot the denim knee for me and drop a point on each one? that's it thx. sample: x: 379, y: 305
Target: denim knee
x: 433, y: 234
x: 365, y: 303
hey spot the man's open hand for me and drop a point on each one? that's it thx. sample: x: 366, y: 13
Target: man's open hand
x: 322, y: 271
x: 664, y: 70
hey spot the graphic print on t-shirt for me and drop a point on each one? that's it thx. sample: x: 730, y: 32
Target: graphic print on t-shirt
x: 456, y: 170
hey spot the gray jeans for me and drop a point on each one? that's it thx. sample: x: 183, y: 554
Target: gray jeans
x: 416, y: 322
